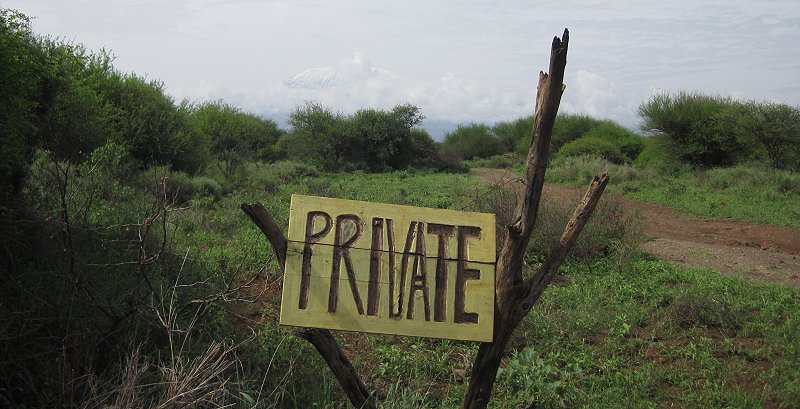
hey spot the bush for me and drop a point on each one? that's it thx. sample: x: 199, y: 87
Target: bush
x: 777, y: 128
x: 178, y: 185
x: 628, y: 143
x: 503, y: 161
x: 498, y: 200
x: 369, y: 140
x: 705, y: 129
x: 427, y: 154
x: 514, y: 136
x: 472, y: 141
x: 692, y: 310
x: 659, y: 153
x: 567, y: 128
x: 579, y: 170
x: 592, y: 146
x: 612, y: 229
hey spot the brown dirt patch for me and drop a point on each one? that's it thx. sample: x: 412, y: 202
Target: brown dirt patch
x: 757, y: 252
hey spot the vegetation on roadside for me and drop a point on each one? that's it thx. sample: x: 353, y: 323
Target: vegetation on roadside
x: 741, y: 192
x: 129, y: 277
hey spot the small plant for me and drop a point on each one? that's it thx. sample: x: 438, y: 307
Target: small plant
x: 532, y: 378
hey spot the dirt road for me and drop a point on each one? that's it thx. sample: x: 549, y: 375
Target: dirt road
x: 755, y: 251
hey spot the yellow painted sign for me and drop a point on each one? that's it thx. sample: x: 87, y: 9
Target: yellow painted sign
x: 390, y: 269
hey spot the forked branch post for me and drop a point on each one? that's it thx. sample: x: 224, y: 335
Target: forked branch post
x: 514, y: 296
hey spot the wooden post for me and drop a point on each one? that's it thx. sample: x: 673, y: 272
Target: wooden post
x: 321, y: 339
x: 515, y: 296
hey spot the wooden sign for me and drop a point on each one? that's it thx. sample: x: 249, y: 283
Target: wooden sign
x: 390, y: 269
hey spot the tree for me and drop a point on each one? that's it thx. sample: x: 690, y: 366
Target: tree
x: 76, y: 117
x: 703, y: 127
x: 314, y: 128
x: 379, y: 140
x: 21, y: 71
x: 777, y: 127
x: 234, y: 136
x: 608, y: 140
x: 515, y: 295
x: 472, y: 141
x: 511, y: 134
x: 370, y: 140
x: 148, y: 122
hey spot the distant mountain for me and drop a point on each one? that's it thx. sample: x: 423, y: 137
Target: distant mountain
x: 354, y: 71
x: 374, y: 86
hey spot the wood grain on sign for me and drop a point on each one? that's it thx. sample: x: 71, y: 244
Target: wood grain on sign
x: 390, y: 269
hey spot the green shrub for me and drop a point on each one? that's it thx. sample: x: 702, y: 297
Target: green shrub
x: 369, y: 140
x: 179, y: 186
x: 567, y: 128
x: 628, y: 143
x: 696, y: 310
x: 498, y: 200
x: 705, y: 129
x: 789, y: 184
x: 472, y: 141
x: 577, y: 170
x: 531, y: 378
x: 611, y: 230
x: 660, y: 154
x: 502, y: 161
x: 592, y: 146
x: 777, y: 128
x: 514, y: 136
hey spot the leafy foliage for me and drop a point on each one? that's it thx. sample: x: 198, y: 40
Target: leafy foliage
x: 147, y: 121
x: 608, y: 140
x: 369, y: 140
x: 21, y: 75
x: 567, y: 128
x: 472, y: 141
x: 123, y: 269
x: 233, y: 136
x: 593, y: 146
x: 777, y: 128
x: 704, y: 128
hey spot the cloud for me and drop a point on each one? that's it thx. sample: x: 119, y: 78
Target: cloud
x: 355, y: 83
x: 591, y: 94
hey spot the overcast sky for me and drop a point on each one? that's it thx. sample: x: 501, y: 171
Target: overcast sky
x: 461, y: 61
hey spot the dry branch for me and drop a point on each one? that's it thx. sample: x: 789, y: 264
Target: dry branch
x: 321, y: 339
x: 515, y: 297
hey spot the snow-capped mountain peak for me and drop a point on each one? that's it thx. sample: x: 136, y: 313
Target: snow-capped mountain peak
x: 348, y: 72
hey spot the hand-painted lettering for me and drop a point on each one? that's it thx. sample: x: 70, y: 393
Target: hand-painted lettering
x: 463, y: 274
x: 341, y: 250
x: 311, y: 238
x: 444, y: 232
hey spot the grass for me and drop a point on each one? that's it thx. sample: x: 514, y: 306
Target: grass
x: 610, y: 332
x: 642, y: 333
x: 743, y: 192
x: 650, y: 334
x: 647, y: 334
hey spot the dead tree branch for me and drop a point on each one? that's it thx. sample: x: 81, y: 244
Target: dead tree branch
x: 321, y: 339
x: 515, y: 297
